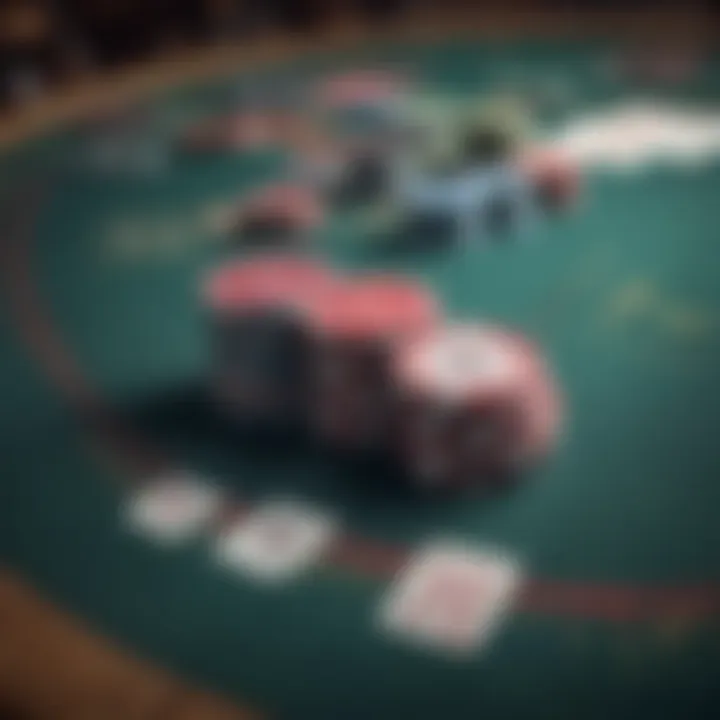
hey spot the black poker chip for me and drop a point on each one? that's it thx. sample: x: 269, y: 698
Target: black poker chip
x: 365, y: 179
x: 485, y: 144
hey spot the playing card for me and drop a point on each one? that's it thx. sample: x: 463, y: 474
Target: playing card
x: 450, y: 598
x: 277, y: 541
x: 173, y: 507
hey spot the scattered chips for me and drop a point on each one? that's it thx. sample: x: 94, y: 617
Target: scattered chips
x: 291, y: 341
x: 467, y: 198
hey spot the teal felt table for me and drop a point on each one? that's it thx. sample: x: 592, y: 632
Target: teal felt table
x: 104, y: 358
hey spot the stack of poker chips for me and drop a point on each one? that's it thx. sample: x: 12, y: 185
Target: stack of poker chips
x: 259, y: 347
x: 475, y: 401
x: 368, y: 365
x: 356, y: 329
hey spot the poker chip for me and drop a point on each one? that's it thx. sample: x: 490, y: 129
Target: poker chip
x: 555, y: 177
x: 661, y: 66
x: 360, y: 87
x: 260, y: 346
x: 354, y: 333
x: 272, y: 281
x: 233, y: 132
x: 366, y: 175
x: 543, y: 413
x: 484, y: 143
x: 475, y: 405
x: 279, y: 212
x: 351, y: 170
x: 375, y: 308
x: 463, y: 362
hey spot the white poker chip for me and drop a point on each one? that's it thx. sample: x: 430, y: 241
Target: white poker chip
x: 465, y: 362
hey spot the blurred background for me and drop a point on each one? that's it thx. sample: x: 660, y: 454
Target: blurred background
x: 44, y: 43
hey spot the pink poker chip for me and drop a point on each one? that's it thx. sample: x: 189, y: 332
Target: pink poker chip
x: 272, y: 281
x: 359, y: 87
x: 375, y: 308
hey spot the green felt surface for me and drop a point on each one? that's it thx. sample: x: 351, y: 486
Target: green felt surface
x: 624, y: 296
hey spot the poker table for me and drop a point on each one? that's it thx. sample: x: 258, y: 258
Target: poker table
x: 104, y: 366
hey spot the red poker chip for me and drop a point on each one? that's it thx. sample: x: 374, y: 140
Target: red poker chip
x: 359, y: 87
x: 236, y: 131
x: 253, y: 130
x: 376, y: 307
x: 464, y: 364
x: 543, y: 411
x: 296, y: 203
x: 552, y: 172
x: 269, y: 281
